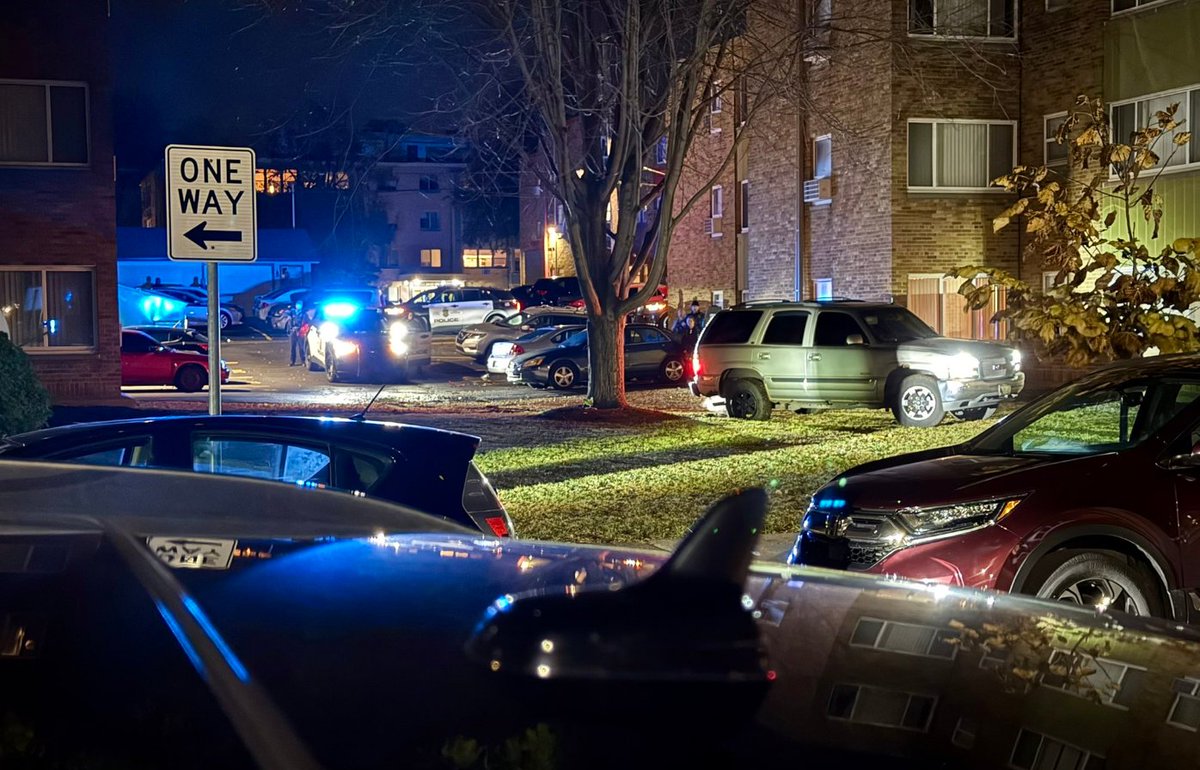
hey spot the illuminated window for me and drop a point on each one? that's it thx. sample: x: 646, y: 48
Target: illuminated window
x: 431, y: 257
x: 959, y: 155
x: 963, y: 18
x: 484, y: 258
x: 49, y: 310
x: 43, y: 123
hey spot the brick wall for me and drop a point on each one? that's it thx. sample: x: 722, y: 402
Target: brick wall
x: 850, y: 239
x: 699, y: 263
x: 67, y: 216
x: 933, y: 232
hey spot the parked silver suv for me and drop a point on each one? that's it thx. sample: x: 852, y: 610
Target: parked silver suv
x: 829, y: 355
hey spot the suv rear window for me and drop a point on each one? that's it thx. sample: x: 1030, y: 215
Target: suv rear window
x: 731, y: 327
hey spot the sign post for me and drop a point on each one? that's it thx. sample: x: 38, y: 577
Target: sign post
x: 211, y: 217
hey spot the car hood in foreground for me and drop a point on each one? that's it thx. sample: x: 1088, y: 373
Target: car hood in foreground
x: 424, y: 646
x: 937, y: 478
x: 949, y: 346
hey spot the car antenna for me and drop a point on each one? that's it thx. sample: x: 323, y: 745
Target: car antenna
x: 363, y: 414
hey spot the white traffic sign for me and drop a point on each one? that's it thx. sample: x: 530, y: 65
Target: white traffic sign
x: 211, y: 213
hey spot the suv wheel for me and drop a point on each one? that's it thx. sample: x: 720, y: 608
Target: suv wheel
x: 1097, y: 579
x: 746, y: 400
x: 918, y: 402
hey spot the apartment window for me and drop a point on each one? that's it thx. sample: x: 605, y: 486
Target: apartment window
x: 1135, y: 114
x: 49, y: 310
x: 717, y: 202
x: 1113, y: 682
x: 1034, y: 750
x: 43, y: 123
x: 1129, y: 5
x: 959, y: 155
x: 1185, y: 711
x: 905, y: 638
x: 431, y: 221
x: 823, y: 289
x: 484, y: 258
x: 880, y: 707
x: 963, y: 18
x: 1056, y: 154
x: 744, y: 205
x: 431, y: 257
x: 964, y: 733
x: 716, y: 104
x: 823, y: 157
x: 429, y: 183
x: 993, y: 659
x: 934, y: 298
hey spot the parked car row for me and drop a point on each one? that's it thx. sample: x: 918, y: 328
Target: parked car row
x: 650, y: 353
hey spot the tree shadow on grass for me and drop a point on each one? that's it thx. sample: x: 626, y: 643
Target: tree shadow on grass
x: 628, y: 416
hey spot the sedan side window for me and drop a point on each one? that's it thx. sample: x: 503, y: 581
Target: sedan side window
x: 786, y: 329
x: 262, y: 459
x: 137, y: 343
x: 834, y: 328
x: 472, y: 295
x: 135, y: 455
x: 653, y: 336
x: 633, y: 337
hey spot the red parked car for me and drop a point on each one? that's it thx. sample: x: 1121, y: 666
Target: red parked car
x: 1090, y: 495
x: 145, y: 362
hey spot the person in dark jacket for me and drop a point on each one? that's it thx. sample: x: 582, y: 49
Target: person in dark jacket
x: 691, y: 334
x: 295, y: 321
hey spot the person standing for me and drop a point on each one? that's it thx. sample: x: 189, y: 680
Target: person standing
x: 697, y: 315
x: 294, y: 323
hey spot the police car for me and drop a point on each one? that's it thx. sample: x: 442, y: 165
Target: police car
x: 450, y: 308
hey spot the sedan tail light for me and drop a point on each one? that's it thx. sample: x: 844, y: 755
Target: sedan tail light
x: 696, y: 364
x: 575, y: 303
x: 517, y: 350
x: 498, y: 524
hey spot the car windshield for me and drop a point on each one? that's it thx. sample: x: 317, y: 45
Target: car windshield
x: 536, y: 333
x: 1091, y: 418
x: 896, y: 325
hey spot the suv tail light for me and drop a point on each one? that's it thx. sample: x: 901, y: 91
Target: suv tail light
x: 696, y: 363
x: 517, y: 350
x: 498, y: 524
x: 575, y: 303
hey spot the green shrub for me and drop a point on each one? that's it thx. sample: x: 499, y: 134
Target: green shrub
x: 24, y: 402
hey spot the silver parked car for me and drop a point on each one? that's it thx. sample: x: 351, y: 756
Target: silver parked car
x: 477, y: 340
x: 533, y: 342
x: 830, y: 355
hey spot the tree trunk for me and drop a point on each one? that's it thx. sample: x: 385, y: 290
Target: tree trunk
x: 606, y: 361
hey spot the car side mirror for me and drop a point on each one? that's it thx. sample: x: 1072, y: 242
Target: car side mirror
x: 855, y: 339
x: 1182, y: 462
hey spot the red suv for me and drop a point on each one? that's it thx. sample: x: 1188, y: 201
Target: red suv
x: 1090, y: 495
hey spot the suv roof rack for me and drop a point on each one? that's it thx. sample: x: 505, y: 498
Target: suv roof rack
x: 754, y: 302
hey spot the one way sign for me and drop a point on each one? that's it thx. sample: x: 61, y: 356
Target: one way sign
x: 211, y: 215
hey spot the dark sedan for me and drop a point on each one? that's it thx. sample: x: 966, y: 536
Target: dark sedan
x: 427, y: 469
x: 650, y: 353
x: 1090, y: 495
x: 328, y: 633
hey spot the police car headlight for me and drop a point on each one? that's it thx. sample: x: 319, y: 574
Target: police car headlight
x: 329, y: 330
x: 343, y: 348
x: 398, y: 330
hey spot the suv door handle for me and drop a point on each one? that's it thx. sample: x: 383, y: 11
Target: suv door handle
x: 814, y: 356
x: 764, y: 356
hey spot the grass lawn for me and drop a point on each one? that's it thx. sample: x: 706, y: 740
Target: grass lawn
x: 644, y: 482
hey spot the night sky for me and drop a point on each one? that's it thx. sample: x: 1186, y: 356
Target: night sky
x: 221, y: 72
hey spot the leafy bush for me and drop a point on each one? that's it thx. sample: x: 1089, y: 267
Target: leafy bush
x: 1112, y: 297
x: 24, y: 402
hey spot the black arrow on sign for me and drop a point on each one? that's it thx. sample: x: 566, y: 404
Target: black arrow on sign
x: 199, y: 236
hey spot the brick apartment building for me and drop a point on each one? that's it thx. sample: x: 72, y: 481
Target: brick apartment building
x: 882, y: 184
x: 58, y: 275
